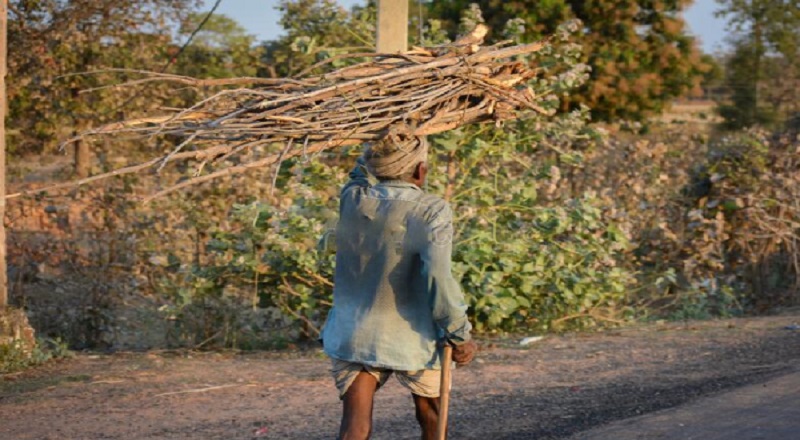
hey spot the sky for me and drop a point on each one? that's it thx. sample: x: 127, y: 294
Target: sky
x: 260, y: 18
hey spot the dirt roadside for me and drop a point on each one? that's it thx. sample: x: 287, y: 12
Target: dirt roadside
x: 552, y: 389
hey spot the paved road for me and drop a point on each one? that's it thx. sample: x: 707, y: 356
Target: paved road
x: 767, y: 411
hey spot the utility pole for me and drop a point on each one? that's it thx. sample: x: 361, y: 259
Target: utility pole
x: 3, y: 106
x: 392, y: 26
x: 14, y: 326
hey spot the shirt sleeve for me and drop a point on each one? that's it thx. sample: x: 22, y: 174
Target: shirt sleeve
x: 449, y: 309
x: 359, y: 177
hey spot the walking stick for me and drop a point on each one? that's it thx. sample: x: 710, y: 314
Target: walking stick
x: 444, y: 391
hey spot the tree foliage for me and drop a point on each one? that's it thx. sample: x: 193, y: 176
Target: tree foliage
x: 316, y: 30
x: 221, y: 48
x: 639, y: 52
x: 53, y: 41
x: 763, y: 70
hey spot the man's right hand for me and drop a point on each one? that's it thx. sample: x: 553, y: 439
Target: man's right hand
x: 464, y: 353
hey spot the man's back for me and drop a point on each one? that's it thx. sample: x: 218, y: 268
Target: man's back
x: 394, y: 294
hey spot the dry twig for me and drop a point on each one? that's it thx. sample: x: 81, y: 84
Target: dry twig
x: 267, y: 121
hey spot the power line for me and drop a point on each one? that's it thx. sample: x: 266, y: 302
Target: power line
x: 192, y: 35
x: 173, y: 58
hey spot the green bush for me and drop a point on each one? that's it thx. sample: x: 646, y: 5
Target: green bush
x: 14, y: 357
x: 557, y: 267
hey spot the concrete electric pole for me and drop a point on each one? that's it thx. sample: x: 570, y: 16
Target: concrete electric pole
x: 392, y: 26
x: 14, y: 326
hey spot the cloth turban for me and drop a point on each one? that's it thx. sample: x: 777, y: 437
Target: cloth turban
x: 395, y: 155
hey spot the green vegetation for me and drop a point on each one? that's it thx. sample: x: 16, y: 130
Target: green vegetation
x: 52, y: 41
x: 14, y: 358
x: 640, y: 55
x: 763, y: 72
x: 561, y: 224
x: 316, y: 30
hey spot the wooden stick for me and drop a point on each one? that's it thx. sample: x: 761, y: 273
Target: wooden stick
x: 444, y: 391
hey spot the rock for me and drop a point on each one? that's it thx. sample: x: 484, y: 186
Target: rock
x: 158, y: 260
x: 15, y: 329
x: 530, y: 340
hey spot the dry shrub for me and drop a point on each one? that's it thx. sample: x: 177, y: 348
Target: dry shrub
x: 103, y: 271
x: 745, y: 223
x: 713, y: 223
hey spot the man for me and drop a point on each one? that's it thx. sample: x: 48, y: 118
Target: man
x: 395, y: 300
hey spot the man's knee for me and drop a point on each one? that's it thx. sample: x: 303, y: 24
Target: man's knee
x: 427, y: 410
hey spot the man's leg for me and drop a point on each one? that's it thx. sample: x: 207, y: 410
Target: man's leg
x: 427, y: 409
x: 357, y: 415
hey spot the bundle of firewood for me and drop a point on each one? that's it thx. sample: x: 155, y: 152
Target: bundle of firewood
x: 429, y: 89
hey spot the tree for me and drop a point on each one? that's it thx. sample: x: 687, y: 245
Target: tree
x: 763, y: 70
x: 3, y: 56
x: 639, y: 52
x: 714, y: 77
x: 316, y: 30
x: 222, y: 48
x: 54, y: 40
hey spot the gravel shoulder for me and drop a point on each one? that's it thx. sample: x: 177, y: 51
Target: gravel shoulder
x: 553, y: 389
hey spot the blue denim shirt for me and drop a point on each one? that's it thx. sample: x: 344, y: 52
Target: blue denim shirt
x: 394, y: 294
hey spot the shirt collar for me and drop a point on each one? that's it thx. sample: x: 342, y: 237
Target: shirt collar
x: 397, y: 183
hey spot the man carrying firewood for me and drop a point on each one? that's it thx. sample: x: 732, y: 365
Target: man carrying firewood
x: 395, y: 300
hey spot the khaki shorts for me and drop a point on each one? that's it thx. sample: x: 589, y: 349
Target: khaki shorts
x: 423, y: 383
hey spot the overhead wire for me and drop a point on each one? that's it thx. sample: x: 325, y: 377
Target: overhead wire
x: 192, y: 36
x: 173, y: 58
